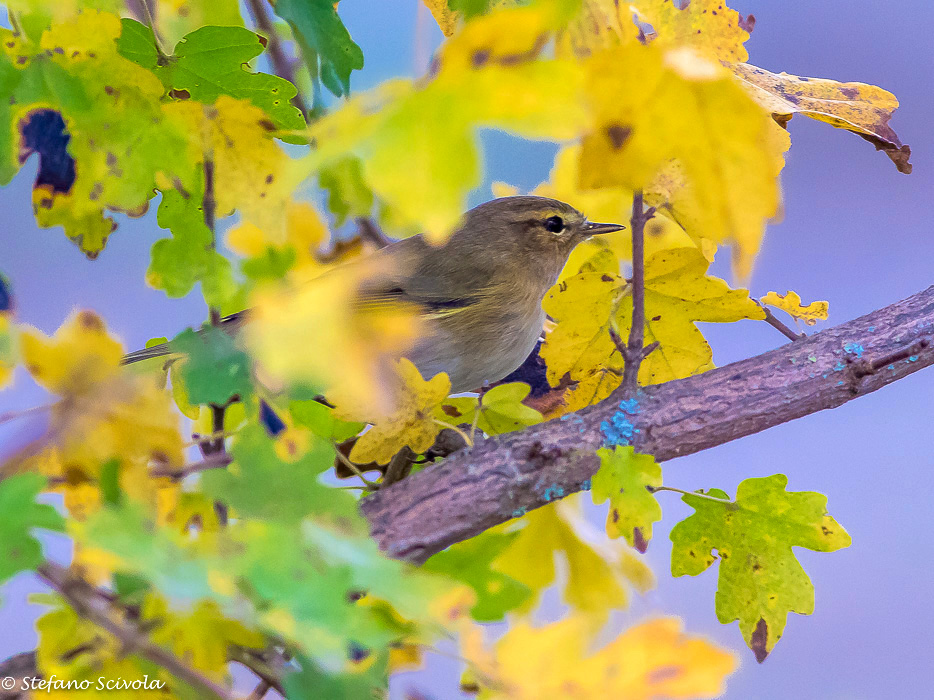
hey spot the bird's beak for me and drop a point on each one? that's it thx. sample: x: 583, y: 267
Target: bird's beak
x: 592, y: 229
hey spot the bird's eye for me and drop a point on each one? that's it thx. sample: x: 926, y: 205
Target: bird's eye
x: 555, y: 224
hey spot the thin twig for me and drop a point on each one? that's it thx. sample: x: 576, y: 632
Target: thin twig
x: 369, y: 231
x: 218, y: 460
x: 781, y: 327
x: 370, y: 485
x: 634, y: 352
x: 209, y: 205
x: 281, y: 64
x: 90, y: 603
x: 157, y: 40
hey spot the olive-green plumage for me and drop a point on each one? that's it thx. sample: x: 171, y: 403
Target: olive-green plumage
x: 481, y: 292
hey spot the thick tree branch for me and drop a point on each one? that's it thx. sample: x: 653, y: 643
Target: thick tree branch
x: 505, y: 476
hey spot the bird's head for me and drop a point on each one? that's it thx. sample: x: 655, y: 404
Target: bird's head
x: 529, y: 225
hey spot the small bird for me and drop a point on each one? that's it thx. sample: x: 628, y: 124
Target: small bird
x: 480, y: 294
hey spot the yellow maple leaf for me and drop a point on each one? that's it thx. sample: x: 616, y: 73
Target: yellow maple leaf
x: 80, y: 356
x: 652, y: 660
x: 791, y: 304
x: 417, y: 143
x: 598, y: 25
x: 678, y: 293
x: 201, y: 636
x: 446, y: 18
x: 354, y: 343
x: 613, y: 204
x: 104, y: 415
x: 863, y: 109
x: 412, y: 423
x: 678, y: 104
x: 599, y: 572
x: 708, y: 26
x: 252, y: 173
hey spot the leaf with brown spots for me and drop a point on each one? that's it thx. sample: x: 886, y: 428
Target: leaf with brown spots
x: 622, y: 479
x: 760, y: 579
x: 708, y: 26
x: 863, y: 109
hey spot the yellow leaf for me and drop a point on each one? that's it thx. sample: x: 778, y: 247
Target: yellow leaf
x: 611, y: 203
x: 201, y: 637
x: 305, y: 234
x: 678, y: 293
x: 412, y: 423
x: 446, y: 18
x: 104, y: 415
x: 708, y: 26
x: 599, y: 24
x: 252, y: 173
x: 417, y: 142
x: 677, y: 104
x: 863, y: 109
x: 791, y: 304
x: 599, y: 572
x: 81, y: 355
x: 355, y: 343
x: 648, y: 661
x: 71, y: 648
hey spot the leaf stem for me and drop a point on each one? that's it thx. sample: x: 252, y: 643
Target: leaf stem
x: 656, y: 489
x: 771, y: 319
x: 445, y: 424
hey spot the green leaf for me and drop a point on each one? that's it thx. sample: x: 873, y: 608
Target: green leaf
x: 470, y: 561
x: 261, y: 485
x: 19, y: 550
x: 501, y: 409
x: 314, y: 683
x: 215, y: 369
x: 320, y: 420
x: 324, y: 40
x: 137, y: 44
x: 110, y: 481
x: 622, y: 478
x: 760, y: 580
x: 211, y: 61
x: 348, y: 194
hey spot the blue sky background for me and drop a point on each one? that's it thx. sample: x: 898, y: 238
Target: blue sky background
x: 855, y: 232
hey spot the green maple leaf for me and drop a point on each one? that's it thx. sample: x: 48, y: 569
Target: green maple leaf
x: 760, y: 580
x: 188, y: 257
x: 324, y: 41
x: 470, y: 561
x: 261, y: 485
x: 501, y: 410
x: 210, y: 62
x: 215, y: 368
x: 313, y: 682
x: 19, y: 550
x: 622, y: 478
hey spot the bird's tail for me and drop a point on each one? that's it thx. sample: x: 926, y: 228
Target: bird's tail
x: 146, y: 354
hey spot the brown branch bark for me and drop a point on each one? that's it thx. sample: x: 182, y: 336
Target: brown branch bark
x: 505, y: 476
x: 634, y: 352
